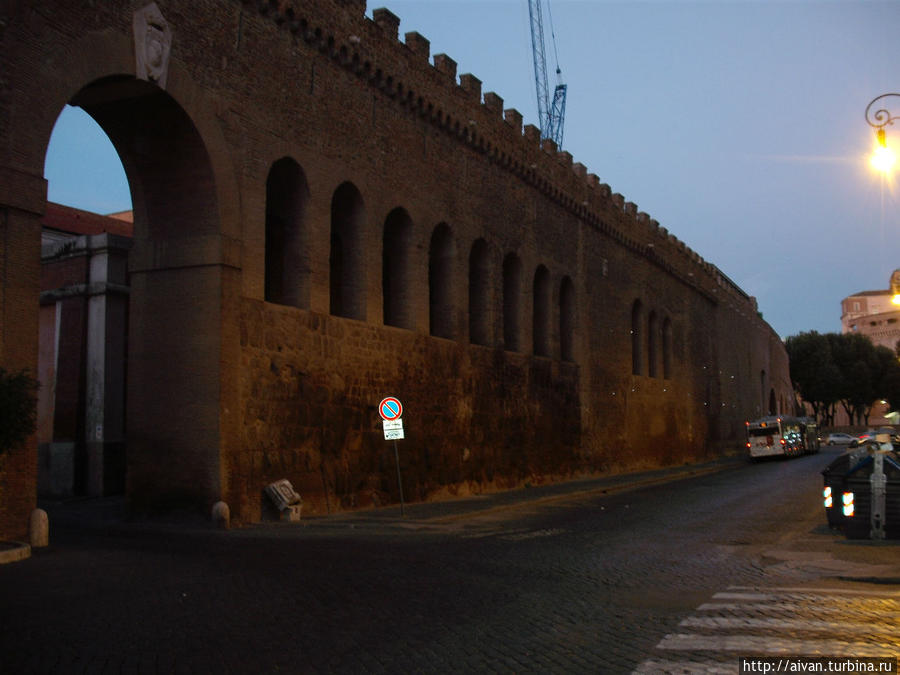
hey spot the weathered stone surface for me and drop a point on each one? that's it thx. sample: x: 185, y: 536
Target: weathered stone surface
x: 386, y: 192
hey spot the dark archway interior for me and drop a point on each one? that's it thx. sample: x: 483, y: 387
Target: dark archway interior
x: 174, y: 304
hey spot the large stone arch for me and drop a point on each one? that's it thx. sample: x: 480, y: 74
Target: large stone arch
x: 263, y: 389
x: 184, y: 267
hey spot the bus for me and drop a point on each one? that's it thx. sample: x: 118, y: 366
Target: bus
x: 782, y: 436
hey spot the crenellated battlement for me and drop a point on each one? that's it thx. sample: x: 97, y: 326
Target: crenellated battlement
x: 327, y: 212
x: 406, y: 73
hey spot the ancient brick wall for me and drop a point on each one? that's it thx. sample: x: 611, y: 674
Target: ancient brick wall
x: 326, y: 215
x: 474, y: 417
x: 412, y: 137
x: 22, y: 197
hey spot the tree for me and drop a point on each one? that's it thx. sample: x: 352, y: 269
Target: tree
x: 18, y: 409
x: 888, y: 376
x: 814, y: 373
x: 852, y: 355
x: 843, y: 368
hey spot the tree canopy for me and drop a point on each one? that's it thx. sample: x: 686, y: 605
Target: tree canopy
x: 843, y: 368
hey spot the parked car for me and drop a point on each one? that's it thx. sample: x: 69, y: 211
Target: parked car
x: 884, y: 438
x: 838, y: 439
x: 892, y: 432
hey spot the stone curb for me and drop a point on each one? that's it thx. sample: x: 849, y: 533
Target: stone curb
x: 13, y: 551
x: 388, y: 516
x: 624, y: 486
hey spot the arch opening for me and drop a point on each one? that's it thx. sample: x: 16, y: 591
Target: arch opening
x: 287, y: 257
x: 541, y: 312
x: 479, y: 293
x: 567, y: 320
x: 667, y: 348
x: 395, y: 269
x: 512, y: 303
x: 637, y: 338
x: 347, y: 289
x: 441, y: 258
x: 653, y: 345
x: 152, y: 339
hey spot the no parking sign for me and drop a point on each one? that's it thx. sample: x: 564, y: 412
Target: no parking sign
x: 390, y: 408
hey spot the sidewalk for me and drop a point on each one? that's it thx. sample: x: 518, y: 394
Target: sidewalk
x: 111, y: 512
x: 451, y: 510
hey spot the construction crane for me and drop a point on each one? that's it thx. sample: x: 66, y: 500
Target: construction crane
x: 552, y: 114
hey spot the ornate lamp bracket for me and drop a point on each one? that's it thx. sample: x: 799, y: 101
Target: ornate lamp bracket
x: 879, y: 118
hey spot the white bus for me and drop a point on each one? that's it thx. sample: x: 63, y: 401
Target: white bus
x: 782, y: 436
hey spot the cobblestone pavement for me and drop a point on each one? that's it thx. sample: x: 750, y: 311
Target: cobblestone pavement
x: 593, y: 577
x: 804, y: 622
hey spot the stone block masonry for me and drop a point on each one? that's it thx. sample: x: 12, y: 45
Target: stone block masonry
x: 325, y: 215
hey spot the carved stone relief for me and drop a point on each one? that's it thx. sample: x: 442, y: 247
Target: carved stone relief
x: 152, y: 44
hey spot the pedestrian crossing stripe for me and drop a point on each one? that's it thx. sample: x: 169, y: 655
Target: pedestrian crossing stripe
x: 840, y: 627
x: 742, y: 591
x: 786, y: 608
x: 784, y: 621
x: 763, y: 644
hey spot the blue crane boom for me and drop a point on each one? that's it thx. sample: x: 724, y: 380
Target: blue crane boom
x: 551, y: 114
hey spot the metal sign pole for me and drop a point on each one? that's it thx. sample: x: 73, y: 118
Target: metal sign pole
x: 399, y: 478
x: 390, y: 410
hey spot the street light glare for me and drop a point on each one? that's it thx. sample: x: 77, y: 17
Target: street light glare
x: 883, y: 159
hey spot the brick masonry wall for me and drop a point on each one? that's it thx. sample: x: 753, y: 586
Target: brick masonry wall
x: 475, y: 418
x: 349, y: 103
x: 19, y: 277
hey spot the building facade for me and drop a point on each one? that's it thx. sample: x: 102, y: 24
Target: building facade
x: 873, y: 314
x: 82, y: 347
x: 325, y: 215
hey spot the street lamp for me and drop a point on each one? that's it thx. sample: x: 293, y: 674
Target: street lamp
x: 883, y: 158
x: 895, y: 287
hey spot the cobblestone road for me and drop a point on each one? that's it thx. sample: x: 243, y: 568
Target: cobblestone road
x: 842, y: 623
x: 588, y: 582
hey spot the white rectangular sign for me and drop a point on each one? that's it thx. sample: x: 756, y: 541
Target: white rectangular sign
x: 393, y: 430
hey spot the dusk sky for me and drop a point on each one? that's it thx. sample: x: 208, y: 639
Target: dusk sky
x: 739, y: 126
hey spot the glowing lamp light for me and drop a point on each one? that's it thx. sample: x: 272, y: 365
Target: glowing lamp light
x: 883, y: 158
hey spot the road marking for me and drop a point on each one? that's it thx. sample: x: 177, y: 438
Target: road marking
x: 758, y: 644
x: 786, y: 607
x: 806, y: 590
x: 743, y: 596
x: 813, y: 626
x: 515, y: 535
x: 739, y: 620
x: 534, y: 534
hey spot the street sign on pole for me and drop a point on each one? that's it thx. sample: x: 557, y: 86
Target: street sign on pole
x: 390, y: 408
x: 393, y: 430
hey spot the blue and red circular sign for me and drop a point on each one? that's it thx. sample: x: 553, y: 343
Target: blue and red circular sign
x: 390, y: 408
